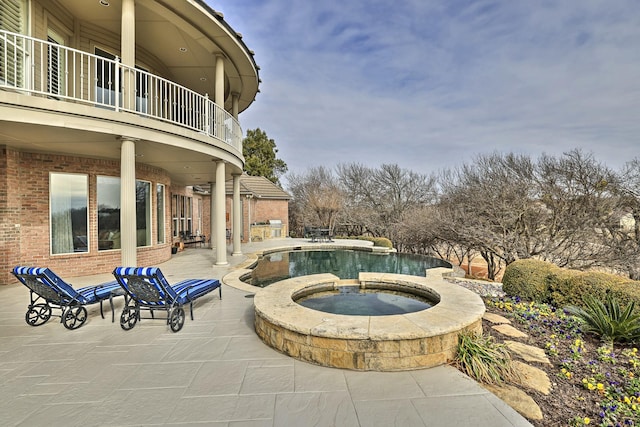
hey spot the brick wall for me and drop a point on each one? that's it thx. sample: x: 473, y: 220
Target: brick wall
x: 9, y: 211
x: 24, y: 214
x: 260, y: 210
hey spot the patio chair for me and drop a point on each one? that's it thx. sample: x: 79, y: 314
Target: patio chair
x: 49, y: 292
x: 147, y: 289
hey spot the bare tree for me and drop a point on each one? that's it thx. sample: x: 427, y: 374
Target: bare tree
x: 623, y: 233
x: 579, y: 204
x: 507, y: 207
x: 378, y: 198
x: 317, y: 198
x: 489, y: 207
x: 565, y: 209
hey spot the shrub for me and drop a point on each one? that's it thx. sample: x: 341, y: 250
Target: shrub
x: 626, y: 291
x: 527, y: 279
x: 382, y: 242
x: 540, y: 281
x: 483, y: 359
x: 377, y: 241
x: 607, y: 319
x: 570, y: 287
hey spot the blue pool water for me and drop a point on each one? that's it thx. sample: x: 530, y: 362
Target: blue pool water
x: 346, y: 264
x: 351, y: 300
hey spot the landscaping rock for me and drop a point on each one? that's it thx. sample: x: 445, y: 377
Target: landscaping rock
x: 518, y: 400
x: 496, y: 319
x: 533, y: 378
x: 528, y: 353
x: 509, y: 331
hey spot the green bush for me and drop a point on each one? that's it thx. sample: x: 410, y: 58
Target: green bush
x: 383, y: 242
x: 540, y: 281
x: 527, y: 279
x: 626, y: 291
x: 377, y: 241
x: 569, y: 287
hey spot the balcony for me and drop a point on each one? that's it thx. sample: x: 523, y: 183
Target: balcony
x: 46, y: 69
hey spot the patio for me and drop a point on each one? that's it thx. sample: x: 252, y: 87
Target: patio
x: 214, y: 372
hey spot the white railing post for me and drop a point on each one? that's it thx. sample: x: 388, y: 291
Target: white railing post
x: 117, y: 67
x: 206, y: 114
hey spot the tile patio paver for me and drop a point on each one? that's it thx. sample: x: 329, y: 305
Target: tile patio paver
x: 214, y: 372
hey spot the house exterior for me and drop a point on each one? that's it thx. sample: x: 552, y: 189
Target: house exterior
x: 264, y: 209
x: 110, y: 112
x: 264, y: 206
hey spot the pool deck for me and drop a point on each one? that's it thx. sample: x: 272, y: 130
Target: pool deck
x: 214, y: 372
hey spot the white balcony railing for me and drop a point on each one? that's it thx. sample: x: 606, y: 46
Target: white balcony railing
x: 48, y: 69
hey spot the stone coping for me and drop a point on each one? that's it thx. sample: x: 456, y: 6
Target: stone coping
x: 385, y: 343
x: 457, y: 308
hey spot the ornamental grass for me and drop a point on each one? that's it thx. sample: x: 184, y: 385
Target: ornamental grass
x: 485, y: 360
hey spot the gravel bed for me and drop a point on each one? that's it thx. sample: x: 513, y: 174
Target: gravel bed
x: 481, y: 287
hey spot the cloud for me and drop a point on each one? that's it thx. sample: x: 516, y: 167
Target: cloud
x: 428, y: 84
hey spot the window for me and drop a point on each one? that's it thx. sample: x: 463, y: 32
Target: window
x: 142, y: 91
x: 106, y: 78
x: 108, y: 213
x: 13, y: 18
x: 69, y: 194
x: 56, y: 82
x: 160, y: 213
x: 143, y: 213
x: 181, y: 212
x: 187, y: 226
x: 199, y: 229
x: 106, y: 89
x: 175, y: 225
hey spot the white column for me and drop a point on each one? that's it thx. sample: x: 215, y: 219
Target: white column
x: 219, y: 85
x: 128, y: 238
x: 128, y: 51
x: 237, y: 216
x: 220, y: 220
x: 234, y: 106
x: 212, y: 215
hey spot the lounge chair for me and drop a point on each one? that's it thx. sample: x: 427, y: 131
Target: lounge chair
x: 49, y: 292
x: 147, y: 289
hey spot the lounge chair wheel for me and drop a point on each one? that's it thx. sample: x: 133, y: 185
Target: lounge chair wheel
x: 74, y: 317
x: 38, y: 314
x: 176, y: 319
x: 129, y: 317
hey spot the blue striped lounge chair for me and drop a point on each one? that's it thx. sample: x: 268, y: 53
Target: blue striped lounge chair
x: 48, y: 292
x: 147, y: 289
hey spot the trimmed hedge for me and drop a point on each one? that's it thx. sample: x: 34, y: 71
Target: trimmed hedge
x: 541, y: 281
x: 377, y: 241
x: 527, y: 278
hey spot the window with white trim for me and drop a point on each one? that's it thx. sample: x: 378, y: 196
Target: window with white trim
x: 13, y: 18
x: 181, y: 211
x: 68, y: 213
x: 143, y: 213
x: 108, y: 193
x: 56, y: 61
x: 160, y: 213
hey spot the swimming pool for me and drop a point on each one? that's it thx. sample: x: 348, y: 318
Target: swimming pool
x: 344, y: 263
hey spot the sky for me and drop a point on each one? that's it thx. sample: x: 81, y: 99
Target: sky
x: 431, y: 84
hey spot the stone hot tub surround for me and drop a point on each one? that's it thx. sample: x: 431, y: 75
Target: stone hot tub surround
x: 416, y: 340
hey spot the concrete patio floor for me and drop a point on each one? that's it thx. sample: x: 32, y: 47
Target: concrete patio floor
x: 214, y: 372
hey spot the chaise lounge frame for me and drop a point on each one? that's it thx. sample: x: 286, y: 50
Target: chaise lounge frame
x: 147, y: 289
x: 48, y: 292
